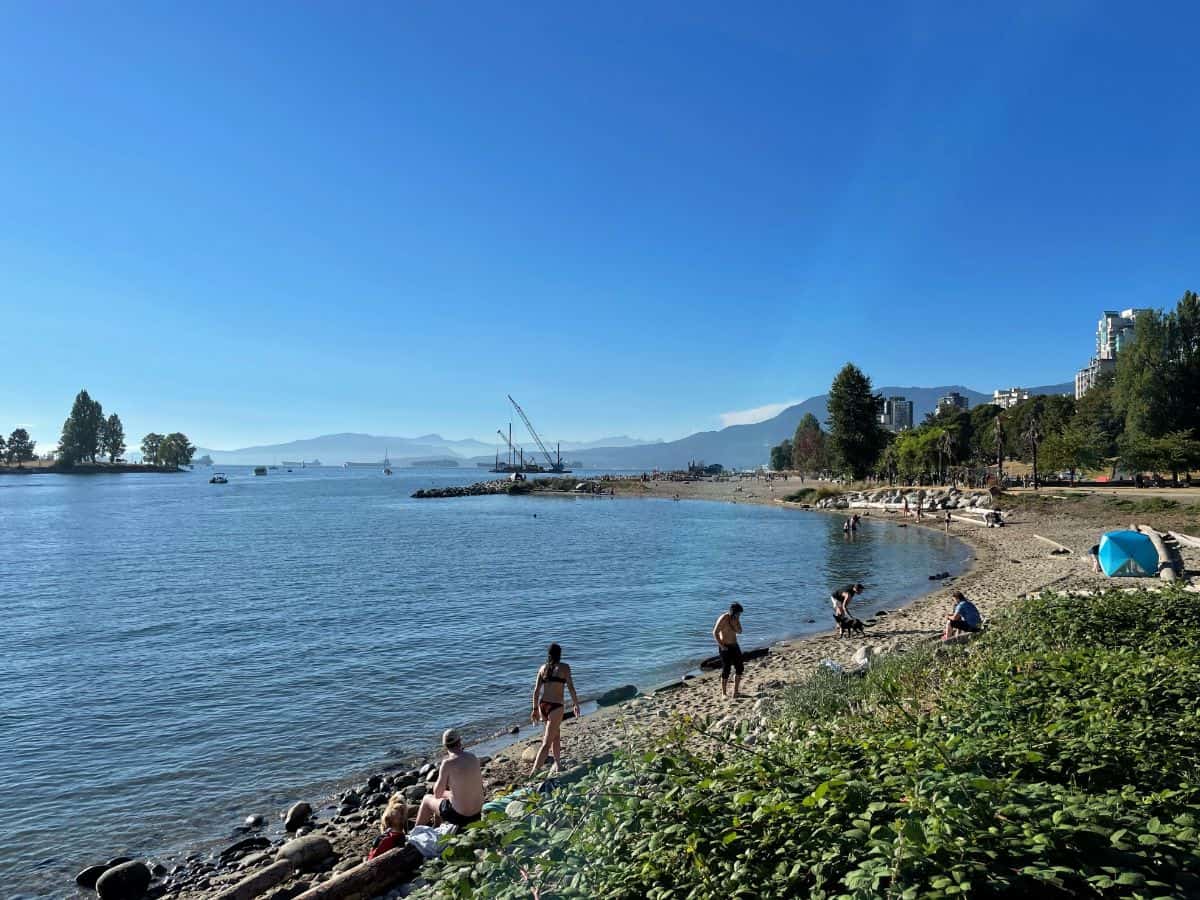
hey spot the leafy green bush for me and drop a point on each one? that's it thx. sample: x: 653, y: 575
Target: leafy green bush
x: 1056, y: 756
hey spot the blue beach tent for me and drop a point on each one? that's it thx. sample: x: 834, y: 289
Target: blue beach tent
x: 1127, y: 553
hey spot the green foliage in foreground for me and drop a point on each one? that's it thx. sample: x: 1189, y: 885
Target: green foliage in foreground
x: 1058, y: 756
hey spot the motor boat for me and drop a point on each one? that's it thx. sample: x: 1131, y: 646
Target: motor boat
x: 260, y: 470
x: 218, y: 478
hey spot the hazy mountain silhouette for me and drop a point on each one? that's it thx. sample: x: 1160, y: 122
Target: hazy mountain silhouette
x: 335, y: 449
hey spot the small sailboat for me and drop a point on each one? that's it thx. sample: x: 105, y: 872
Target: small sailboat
x: 387, y: 464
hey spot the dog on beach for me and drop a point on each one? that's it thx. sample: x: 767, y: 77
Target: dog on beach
x: 848, y: 625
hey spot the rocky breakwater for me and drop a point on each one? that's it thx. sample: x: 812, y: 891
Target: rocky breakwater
x: 479, y: 489
x: 927, y: 499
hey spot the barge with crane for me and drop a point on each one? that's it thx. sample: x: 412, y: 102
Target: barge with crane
x: 515, y: 462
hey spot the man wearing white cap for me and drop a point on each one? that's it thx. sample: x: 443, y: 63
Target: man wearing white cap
x: 457, y: 797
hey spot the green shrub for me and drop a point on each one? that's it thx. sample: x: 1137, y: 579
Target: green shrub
x: 804, y: 495
x: 1056, y: 756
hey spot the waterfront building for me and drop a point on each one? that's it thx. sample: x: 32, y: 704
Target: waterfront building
x: 897, y: 414
x: 1010, y: 397
x: 1114, y: 331
x: 952, y: 402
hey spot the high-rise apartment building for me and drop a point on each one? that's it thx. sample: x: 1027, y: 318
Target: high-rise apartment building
x: 897, y: 414
x: 1114, y: 331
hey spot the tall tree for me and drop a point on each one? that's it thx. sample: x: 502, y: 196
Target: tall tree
x: 781, y: 456
x: 81, y: 431
x: 112, y: 437
x: 855, y: 435
x: 20, y: 447
x: 1095, y: 411
x: 980, y: 448
x: 998, y: 439
x: 152, y: 448
x: 1079, y: 445
x: 3, y: 449
x: 176, y: 450
x: 1183, y: 368
x: 1142, y: 387
x: 945, y: 452
x: 1032, y: 436
x: 808, y: 446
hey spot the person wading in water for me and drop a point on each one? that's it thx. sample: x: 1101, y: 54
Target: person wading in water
x: 548, y: 697
x: 725, y: 633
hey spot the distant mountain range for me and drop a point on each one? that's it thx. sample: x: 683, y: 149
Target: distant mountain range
x: 335, y: 449
x: 737, y: 447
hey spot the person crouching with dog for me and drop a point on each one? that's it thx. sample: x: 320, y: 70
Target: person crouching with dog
x: 841, y: 598
x: 393, y: 827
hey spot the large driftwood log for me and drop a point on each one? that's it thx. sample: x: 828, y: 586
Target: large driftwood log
x: 369, y: 879
x: 1166, y: 566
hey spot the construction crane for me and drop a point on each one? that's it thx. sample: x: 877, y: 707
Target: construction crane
x: 555, y: 465
x: 516, y: 455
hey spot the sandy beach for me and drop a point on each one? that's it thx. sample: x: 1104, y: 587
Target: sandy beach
x: 1008, y: 563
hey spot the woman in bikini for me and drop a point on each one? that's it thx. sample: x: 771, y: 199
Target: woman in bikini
x: 548, y: 696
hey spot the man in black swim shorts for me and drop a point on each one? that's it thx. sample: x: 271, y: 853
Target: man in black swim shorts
x: 725, y: 633
x: 457, y: 797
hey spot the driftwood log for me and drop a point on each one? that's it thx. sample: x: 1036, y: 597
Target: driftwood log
x: 369, y: 879
x: 1166, y: 565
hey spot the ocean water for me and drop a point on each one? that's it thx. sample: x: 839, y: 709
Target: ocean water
x: 176, y: 655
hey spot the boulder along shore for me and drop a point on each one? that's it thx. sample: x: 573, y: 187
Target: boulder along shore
x: 1043, y: 545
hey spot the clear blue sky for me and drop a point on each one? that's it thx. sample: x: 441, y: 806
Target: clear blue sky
x: 256, y: 222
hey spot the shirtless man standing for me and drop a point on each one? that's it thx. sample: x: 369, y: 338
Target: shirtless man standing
x: 457, y: 798
x: 725, y: 633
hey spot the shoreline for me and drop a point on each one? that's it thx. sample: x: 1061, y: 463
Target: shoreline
x: 639, y: 722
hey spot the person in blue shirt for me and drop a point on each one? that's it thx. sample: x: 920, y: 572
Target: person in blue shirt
x: 964, y: 619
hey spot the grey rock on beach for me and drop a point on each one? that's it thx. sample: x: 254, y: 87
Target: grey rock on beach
x: 89, y: 876
x: 303, y: 852
x: 296, y: 816
x: 128, y: 881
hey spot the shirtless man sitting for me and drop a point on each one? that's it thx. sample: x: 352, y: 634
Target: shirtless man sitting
x: 725, y: 633
x: 457, y: 798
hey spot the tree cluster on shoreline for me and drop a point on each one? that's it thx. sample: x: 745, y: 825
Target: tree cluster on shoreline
x: 88, y: 433
x: 17, y: 448
x: 172, y: 449
x: 1144, y: 417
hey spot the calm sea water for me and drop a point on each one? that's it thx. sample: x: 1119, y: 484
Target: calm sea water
x: 177, y: 655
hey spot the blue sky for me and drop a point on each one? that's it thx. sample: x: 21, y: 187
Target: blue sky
x: 257, y: 222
